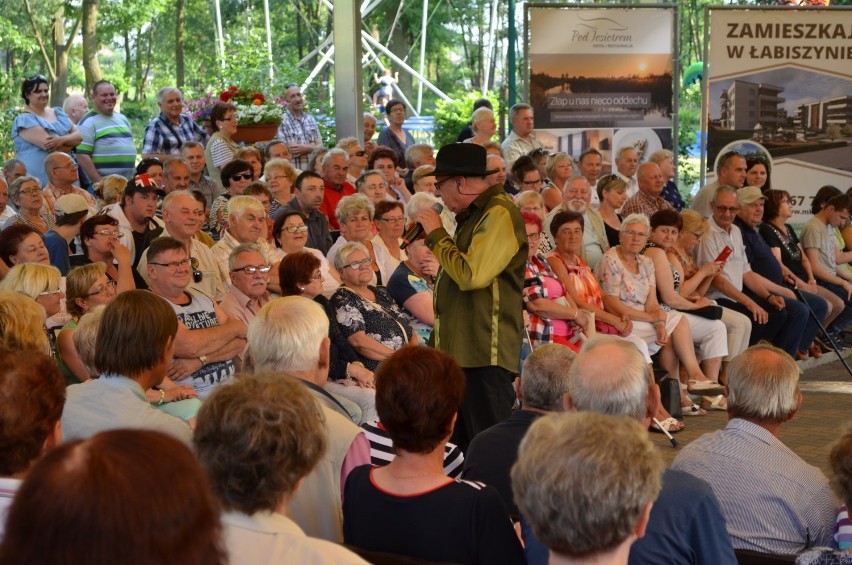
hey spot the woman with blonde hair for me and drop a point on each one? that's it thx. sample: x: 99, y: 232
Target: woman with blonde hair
x: 280, y: 176
x: 612, y: 193
x: 86, y: 287
x: 483, y: 125
x: 559, y: 167
x: 110, y: 189
x: 41, y: 283
x: 22, y: 323
x: 254, y: 157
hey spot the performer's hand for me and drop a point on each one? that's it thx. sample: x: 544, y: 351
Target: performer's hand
x: 429, y: 219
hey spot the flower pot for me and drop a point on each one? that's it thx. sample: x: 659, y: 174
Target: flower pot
x: 255, y: 132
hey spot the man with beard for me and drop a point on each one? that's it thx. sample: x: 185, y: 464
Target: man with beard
x: 576, y: 197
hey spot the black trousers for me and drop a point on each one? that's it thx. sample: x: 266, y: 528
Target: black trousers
x: 488, y: 399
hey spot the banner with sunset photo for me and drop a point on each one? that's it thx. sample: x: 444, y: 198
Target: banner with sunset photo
x: 601, y: 77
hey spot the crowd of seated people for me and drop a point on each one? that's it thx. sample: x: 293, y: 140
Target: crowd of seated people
x: 155, y: 284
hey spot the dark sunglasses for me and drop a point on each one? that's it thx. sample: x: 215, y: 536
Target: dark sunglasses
x: 244, y: 176
x: 35, y: 79
x: 197, y: 276
x: 360, y: 153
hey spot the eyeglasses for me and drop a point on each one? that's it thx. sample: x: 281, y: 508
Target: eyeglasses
x: 393, y: 220
x: 727, y: 209
x: 231, y: 119
x: 173, y: 265
x: 632, y: 233
x: 69, y: 166
x: 534, y: 236
x: 30, y: 191
x: 358, y: 265
x: 50, y: 292
x: 358, y: 154
x: 295, y: 229
x: 251, y: 269
x: 531, y: 182
x: 109, y: 233
x: 241, y: 176
x: 104, y: 288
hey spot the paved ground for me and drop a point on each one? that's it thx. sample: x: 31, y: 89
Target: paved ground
x: 827, y: 407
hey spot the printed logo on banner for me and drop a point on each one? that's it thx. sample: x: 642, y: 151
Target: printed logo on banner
x: 601, y: 78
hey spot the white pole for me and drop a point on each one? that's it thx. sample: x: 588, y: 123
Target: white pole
x: 268, y: 38
x: 422, y: 55
x: 221, y: 37
x: 491, y: 42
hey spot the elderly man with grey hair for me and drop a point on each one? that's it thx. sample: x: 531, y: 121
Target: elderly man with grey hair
x: 773, y: 502
x: 626, y: 165
x: 166, y: 133
x: 577, y: 197
x: 610, y: 376
x: 246, y: 224
x: 541, y: 388
x: 289, y: 336
x: 587, y: 484
x: 335, y: 167
x: 522, y: 139
x: 76, y: 106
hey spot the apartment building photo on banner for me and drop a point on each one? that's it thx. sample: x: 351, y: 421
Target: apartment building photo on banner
x: 778, y: 84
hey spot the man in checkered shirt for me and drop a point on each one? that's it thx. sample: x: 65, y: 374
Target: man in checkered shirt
x: 166, y: 133
x: 298, y: 129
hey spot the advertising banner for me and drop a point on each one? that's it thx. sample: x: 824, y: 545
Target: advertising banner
x: 779, y: 87
x: 601, y: 77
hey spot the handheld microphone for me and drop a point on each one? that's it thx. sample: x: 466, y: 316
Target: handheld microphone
x: 415, y: 231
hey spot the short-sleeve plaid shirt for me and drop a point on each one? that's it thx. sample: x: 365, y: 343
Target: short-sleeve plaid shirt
x: 160, y: 135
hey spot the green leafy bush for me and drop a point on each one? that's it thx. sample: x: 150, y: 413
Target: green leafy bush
x: 451, y: 117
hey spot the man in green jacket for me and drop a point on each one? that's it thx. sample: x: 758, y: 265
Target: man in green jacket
x: 478, y: 304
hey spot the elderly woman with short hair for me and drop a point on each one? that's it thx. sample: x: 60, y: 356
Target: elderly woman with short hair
x: 280, y: 176
x: 412, y: 282
x: 483, y: 125
x: 291, y: 235
x: 372, y: 184
x: 348, y: 378
x: 368, y: 317
x: 355, y: 214
x: 629, y: 284
x: 390, y: 225
x: 26, y: 193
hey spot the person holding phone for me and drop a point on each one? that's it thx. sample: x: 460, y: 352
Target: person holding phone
x: 741, y: 289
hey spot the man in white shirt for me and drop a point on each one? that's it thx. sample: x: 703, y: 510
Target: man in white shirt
x: 522, y: 139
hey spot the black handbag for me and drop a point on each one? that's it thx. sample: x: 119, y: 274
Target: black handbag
x: 711, y: 312
x: 670, y: 396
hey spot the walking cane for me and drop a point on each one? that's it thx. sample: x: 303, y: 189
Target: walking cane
x: 822, y: 329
